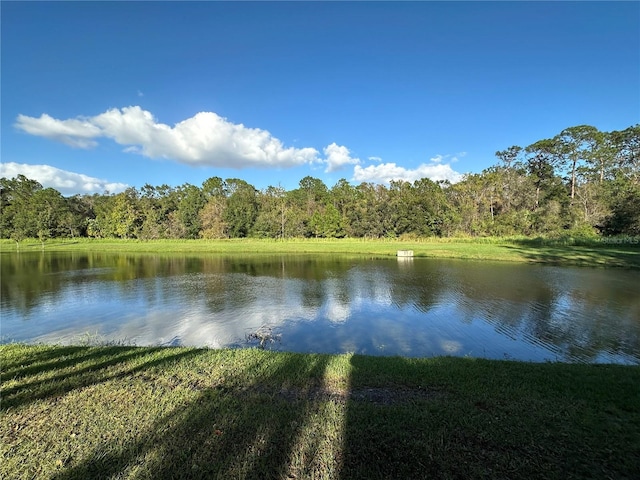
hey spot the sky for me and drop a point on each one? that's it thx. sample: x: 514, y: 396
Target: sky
x: 101, y: 96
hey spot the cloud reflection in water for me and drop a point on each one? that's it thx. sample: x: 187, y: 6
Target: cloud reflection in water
x: 324, y: 304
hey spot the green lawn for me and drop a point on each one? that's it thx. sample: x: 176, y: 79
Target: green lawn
x: 132, y: 412
x: 559, y: 252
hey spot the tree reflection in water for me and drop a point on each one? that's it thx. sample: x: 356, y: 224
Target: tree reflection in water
x: 326, y: 304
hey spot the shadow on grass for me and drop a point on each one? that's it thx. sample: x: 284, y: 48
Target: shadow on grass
x: 469, y: 419
x: 85, y: 367
x: 17, y: 367
x: 249, y: 431
x: 579, y: 255
x: 68, y: 357
x: 393, y: 421
x: 268, y: 416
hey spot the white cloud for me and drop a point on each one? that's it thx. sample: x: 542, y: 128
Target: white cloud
x: 78, y: 132
x: 337, y: 157
x: 385, y: 172
x: 67, y: 183
x: 205, y: 139
x: 448, y: 158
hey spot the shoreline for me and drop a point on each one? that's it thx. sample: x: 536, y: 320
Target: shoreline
x: 562, y: 252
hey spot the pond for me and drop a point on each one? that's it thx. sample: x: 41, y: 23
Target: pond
x: 322, y: 303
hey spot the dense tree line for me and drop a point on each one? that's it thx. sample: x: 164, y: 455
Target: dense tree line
x: 580, y: 182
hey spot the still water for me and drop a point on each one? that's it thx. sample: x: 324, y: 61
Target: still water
x: 415, y: 307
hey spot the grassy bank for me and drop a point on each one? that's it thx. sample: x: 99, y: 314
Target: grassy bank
x: 566, y: 251
x: 130, y: 412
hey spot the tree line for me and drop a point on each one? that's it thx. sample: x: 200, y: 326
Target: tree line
x: 580, y: 182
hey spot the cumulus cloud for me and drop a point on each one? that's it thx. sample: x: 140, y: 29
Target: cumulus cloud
x: 67, y: 183
x: 385, y: 172
x: 337, y: 157
x: 206, y: 139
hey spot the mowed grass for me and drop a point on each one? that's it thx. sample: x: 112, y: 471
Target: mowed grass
x: 134, y: 412
x: 570, y: 252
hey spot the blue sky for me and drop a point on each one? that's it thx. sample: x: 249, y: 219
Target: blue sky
x: 102, y: 96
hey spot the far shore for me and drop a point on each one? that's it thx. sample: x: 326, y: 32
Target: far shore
x: 594, y: 252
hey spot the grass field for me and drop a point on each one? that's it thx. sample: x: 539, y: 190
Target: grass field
x: 132, y: 412
x: 557, y: 252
